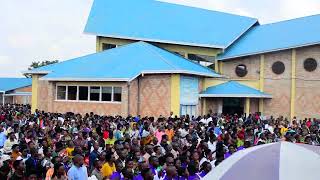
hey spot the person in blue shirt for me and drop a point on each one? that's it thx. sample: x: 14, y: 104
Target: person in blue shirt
x: 206, y: 168
x: 78, y: 171
x: 3, y: 136
x: 93, y: 155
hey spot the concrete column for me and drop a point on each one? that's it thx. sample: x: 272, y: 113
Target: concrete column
x: 247, y: 106
x: 3, y: 98
x: 34, y: 103
x: 175, y: 94
x: 220, y: 106
x: 293, y: 83
x: 261, y: 83
x: 204, y: 106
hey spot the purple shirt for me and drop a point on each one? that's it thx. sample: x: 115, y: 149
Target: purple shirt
x: 194, y: 177
x: 202, y: 174
x: 138, y: 177
x: 115, y: 175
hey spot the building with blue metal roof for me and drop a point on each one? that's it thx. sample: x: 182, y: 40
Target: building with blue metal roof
x: 15, y: 90
x: 155, y: 58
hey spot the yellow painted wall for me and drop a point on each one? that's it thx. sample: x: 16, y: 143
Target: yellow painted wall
x: 34, y: 101
x: 175, y: 94
x: 171, y: 47
x: 261, y: 83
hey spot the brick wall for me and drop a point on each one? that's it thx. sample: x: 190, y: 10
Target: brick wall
x: 212, y: 104
x: 254, y: 105
x: 278, y: 85
x: 155, y: 95
x: 133, y: 90
x: 22, y: 99
x: 252, y: 63
x: 47, y: 102
x: 307, y: 84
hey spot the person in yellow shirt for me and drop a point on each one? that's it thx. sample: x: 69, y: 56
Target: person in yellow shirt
x: 109, y: 167
x: 70, y: 149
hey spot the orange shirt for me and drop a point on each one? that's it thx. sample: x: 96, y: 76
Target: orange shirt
x: 170, y: 134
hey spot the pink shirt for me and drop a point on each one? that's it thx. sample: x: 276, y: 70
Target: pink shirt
x: 159, y: 134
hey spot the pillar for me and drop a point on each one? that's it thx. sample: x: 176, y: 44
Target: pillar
x: 3, y: 98
x: 204, y: 106
x: 34, y: 103
x: 175, y: 94
x: 247, y: 106
x: 98, y: 44
x: 220, y: 105
x: 261, y: 82
x: 216, y: 66
x: 293, y: 83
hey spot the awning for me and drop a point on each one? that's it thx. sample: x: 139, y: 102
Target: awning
x: 233, y: 89
x: 19, y: 94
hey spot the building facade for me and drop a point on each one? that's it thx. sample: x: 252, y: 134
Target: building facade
x: 151, y: 63
x: 15, y: 91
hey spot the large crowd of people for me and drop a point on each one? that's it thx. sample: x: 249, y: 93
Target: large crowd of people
x: 44, y: 145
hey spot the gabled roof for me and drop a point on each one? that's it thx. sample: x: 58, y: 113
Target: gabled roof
x: 233, y: 89
x: 154, y: 21
x: 276, y: 36
x: 8, y: 84
x: 124, y: 63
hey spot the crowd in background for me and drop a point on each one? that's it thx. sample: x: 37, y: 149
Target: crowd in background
x: 45, y: 145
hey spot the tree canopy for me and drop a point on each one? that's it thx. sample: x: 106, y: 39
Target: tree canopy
x: 37, y: 64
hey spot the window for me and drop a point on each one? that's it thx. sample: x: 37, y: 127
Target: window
x: 310, y: 64
x: 61, y: 92
x: 106, y: 46
x: 106, y: 93
x: 278, y: 67
x: 117, y: 94
x: 89, y: 93
x: 188, y: 110
x: 83, y: 93
x: 94, y: 93
x: 72, y: 92
x: 241, y: 70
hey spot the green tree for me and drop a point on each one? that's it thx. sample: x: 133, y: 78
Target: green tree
x: 37, y: 64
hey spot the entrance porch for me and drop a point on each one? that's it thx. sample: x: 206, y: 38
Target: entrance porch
x: 232, y: 98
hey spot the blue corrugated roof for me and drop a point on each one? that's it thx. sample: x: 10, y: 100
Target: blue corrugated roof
x: 233, y: 89
x: 276, y: 36
x: 123, y: 64
x: 7, y: 84
x: 155, y: 21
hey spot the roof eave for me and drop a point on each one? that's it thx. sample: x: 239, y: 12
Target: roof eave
x: 268, y: 51
x: 157, y: 40
x: 35, y: 72
x: 86, y: 79
x: 235, y: 96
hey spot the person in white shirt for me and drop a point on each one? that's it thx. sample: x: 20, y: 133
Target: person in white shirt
x: 7, y: 148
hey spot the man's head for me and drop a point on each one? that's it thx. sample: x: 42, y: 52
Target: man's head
x: 154, y: 161
x: 18, y: 165
x: 15, y: 148
x: 171, y: 171
x: 78, y: 160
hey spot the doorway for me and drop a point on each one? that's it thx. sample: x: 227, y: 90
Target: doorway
x: 233, y: 106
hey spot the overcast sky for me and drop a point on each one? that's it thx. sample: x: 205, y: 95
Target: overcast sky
x: 37, y: 30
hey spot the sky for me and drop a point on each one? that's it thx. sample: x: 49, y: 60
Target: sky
x: 39, y: 30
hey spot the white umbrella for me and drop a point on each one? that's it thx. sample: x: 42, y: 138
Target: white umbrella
x: 275, y: 161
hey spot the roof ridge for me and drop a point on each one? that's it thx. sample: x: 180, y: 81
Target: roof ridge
x: 205, y: 9
x: 288, y: 20
x: 156, y: 53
